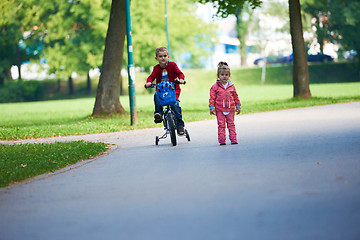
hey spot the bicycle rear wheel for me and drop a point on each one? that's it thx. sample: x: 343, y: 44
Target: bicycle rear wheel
x: 171, y: 125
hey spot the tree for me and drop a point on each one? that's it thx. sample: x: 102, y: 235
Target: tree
x: 337, y: 22
x: 148, y: 33
x: 344, y: 22
x: 186, y: 31
x: 300, y: 67
x: 75, y: 37
x: 248, y: 21
x: 319, y: 11
x: 228, y: 7
x: 108, y: 91
x: 300, y: 64
x: 243, y: 19
x: 242, y: 9
x: 20, y: 35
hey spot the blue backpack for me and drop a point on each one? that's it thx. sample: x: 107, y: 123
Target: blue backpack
x: 166, y: 93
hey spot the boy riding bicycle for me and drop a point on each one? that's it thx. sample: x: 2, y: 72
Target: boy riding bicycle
x: 167, y: 71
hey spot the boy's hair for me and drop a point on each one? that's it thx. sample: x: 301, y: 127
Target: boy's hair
x: 222, y: 66
x: 160, y: 49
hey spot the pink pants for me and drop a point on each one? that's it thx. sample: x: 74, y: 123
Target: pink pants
x: 222, y: 120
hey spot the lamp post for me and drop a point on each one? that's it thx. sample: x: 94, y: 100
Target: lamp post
x: 167, y: 29
x: 131, y: 68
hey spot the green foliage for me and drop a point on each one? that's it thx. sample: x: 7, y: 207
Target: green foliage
x: 71, y: 34
x: 19, y: 162
x: 188, y: 33
x: 280, y: 11
x: 18, y: 91
x: 243, y: 20
x: 75, y: 37
x: 72, y: 117
x: 279, y: 75
x: 22, y: 91
x: 20, y: 34
x: 337, y: 21
x: 229, y: 7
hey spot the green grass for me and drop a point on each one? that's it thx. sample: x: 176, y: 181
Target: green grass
x: 72, y: 117
x: 331, y: 83
x: 19, y: 162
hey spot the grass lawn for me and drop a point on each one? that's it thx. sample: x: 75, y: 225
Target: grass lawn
x: 72, y: 117
x: 19, y: 162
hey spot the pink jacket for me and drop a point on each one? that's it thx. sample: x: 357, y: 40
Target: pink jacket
x: 224, y: 100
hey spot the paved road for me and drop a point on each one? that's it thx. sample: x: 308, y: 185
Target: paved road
x: 295, y: 174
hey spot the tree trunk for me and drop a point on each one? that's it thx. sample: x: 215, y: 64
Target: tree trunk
x: 71, y: 86
x: 242, y: 47
x: 88, y: 84
x: 242, y: 30
x: 300, y: 66
x: 108, y: 91
x: 5, y: 74
x: 121, y: 85
x: 19, y: 71
x: 58, y: 85
x: 18, y: 61
x: 243, y: 57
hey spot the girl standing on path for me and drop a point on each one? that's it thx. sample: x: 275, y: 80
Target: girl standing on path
x: 223, y: 103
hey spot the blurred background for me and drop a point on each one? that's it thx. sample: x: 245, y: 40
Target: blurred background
x: 61, y: 43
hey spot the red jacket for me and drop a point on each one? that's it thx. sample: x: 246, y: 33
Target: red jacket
x: 173, y: 73
x: 224, y: 100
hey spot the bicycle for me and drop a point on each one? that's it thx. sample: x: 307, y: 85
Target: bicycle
x: 168, y: 118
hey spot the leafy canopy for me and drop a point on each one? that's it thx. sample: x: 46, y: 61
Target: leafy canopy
x: 228, y: 7
x: 336, y: 21
x: 20, y: 31
x: 188, y: 33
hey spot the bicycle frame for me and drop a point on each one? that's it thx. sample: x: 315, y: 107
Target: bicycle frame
x: 169, y: 122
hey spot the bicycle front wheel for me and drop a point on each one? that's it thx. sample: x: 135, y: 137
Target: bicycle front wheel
x: 171, y: 125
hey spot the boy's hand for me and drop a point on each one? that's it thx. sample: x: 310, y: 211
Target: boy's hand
x: 148, y: 84
x: 212, y: 111
x: 238, y: 110
x: 181, y: 81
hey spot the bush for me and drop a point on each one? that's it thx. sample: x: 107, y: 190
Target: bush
x: 22, y: 91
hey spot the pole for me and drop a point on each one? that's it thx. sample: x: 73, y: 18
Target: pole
x: 131, y: 69
x: 167, y: 29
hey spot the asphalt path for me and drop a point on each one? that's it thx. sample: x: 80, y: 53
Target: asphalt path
x: 295, y: 174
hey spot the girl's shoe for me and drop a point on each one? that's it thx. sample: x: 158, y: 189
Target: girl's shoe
x: 234, y: 143
x: 222, y: 143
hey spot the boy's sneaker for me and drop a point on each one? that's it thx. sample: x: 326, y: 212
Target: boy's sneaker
x: 181, y: 131
x: 158, y: 118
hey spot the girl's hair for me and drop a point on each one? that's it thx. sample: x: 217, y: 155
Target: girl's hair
x: 222, y: 66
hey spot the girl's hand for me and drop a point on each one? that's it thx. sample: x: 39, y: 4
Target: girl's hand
x: 212, y: 111
x: 238, y: 110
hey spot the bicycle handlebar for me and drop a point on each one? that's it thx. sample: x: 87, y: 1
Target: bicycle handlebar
x: 151, y: 86
x: 177, y: 81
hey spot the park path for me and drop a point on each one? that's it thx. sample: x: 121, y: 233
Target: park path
x: 293, y: 175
